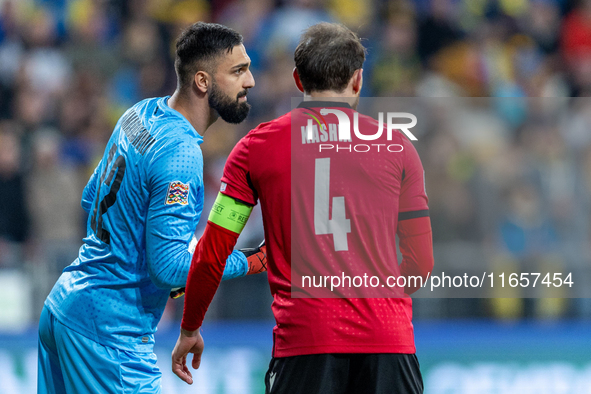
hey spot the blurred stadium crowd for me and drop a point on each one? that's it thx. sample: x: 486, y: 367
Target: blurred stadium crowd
x: 503, y: 193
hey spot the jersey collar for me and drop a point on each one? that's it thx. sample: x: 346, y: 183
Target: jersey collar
x: 327, y: 104
x: 163, y: 104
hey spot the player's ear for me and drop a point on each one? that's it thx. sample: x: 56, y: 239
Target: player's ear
x: 357, y: 81
x: 202, y: 81
x: 296, y: 78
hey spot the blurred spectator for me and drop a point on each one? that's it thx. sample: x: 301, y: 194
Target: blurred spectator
x: 45, y: 68
x: 397, y: 67
x: 576, y: 47
x: 54, y: 189
x: 526, y: 231
x: 436, y: 29
x: 543, y: 24
x: 14, y: 215
x: 54, y: 192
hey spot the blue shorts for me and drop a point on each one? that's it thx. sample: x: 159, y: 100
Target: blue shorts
x: 72, y: 363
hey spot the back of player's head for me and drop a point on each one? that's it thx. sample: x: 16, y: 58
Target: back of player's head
x: 327, y: 56
x: 198, y: 48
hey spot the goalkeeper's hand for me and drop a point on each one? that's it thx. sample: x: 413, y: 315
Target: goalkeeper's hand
x: 256, y: 258
x: 257, y: 263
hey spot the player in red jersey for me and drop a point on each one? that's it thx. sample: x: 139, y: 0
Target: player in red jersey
x: 322, y: 345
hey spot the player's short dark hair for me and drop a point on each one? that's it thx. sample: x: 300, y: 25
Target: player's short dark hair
x: 327, y: 56
x: 199, y: 46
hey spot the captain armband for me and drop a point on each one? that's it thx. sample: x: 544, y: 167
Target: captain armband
x: 230, y: 213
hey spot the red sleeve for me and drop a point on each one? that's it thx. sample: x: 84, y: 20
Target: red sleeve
x: 414, y: 224
x: 205, y: 274
x: 216, y: 244
x: 413, y: 197
x: 236, y: 181
x: 416, y: 247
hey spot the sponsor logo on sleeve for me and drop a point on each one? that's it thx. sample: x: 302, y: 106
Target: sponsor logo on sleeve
x: 178, y: 193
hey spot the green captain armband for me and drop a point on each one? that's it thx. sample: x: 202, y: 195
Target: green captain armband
x: 229, y: 213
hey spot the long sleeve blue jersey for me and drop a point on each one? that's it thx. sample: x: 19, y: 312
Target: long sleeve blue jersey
x: 144, y: 201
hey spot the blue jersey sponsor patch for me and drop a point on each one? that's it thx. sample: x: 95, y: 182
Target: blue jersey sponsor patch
x: 178, y: 193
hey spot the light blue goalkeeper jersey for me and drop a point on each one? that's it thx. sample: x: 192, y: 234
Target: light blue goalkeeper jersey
x: 144, y: 201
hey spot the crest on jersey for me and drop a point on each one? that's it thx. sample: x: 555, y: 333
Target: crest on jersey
x: 178, y: 193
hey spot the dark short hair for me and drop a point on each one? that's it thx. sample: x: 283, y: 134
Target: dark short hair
x: 327, y: 56
x: 199, y: 46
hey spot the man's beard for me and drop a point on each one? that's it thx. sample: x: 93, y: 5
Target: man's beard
x: 230, y: 110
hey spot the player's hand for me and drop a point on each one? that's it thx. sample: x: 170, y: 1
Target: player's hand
x: 188, y: 342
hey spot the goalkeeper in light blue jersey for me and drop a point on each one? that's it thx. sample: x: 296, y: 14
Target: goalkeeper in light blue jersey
x: 144, y: 200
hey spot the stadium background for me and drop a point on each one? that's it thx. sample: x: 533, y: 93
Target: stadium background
x: 507, y: 195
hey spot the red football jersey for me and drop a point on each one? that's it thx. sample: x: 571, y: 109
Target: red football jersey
x: 281, y: 163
